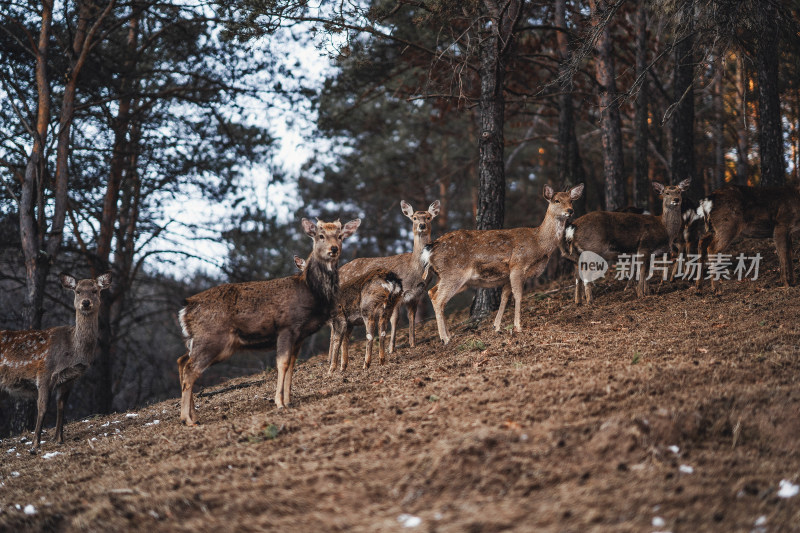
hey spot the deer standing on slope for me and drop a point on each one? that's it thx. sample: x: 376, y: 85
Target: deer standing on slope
x: 610, y: 233
x: 758, y: 212
x: 370, y: 298
x: 35, y: 362
x: 407, y: 266
x: 278, y: 313
x: 494, y: 258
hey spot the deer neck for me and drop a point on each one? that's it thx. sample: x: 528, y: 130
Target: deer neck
x: 671, y: 218
x: 420, y: 240
x: 322, y: 280
x: 85, y: 334
x: 551, y: 231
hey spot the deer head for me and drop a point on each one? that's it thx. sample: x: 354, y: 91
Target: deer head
x: 560, y: 203
x: 87, y: 291
x: 421, y: 219
x: 328, y: 237
x: 671, y: 195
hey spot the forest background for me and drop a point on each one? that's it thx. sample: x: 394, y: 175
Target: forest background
x: 159, y: 139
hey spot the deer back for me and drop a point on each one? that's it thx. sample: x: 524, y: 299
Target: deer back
x: 606, y: 231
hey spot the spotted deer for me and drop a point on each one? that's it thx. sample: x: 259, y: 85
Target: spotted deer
x: 34, y: 363
x: 611, y: 233
x: 277, y: 313
x: 406, y: 266
x: 736, y: 211
x: 372, y: 299
x: 496, y: 258
x: 365, y: 299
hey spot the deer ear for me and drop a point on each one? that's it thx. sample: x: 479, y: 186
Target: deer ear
x: 658, y: 187
x: 104, y: 280
x: 407, y: 209
x: 548, y: 193
x: 685, y: 184
x: 576, y: 192
x: 433, y: 209
x: 67, y: 281
x: 310, y: 228
x: 350, y: 228
x: 299, y: 262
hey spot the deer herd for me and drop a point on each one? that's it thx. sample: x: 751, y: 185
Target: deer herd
x: 280, y: 313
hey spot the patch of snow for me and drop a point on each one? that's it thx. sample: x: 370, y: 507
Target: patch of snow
x: 674, y: 449
x: 153, y: 423
x: 788, y: 489
x: 50, y: 455
x: 132, y: 415
x: 407, y: 520
x: 94, y: 438
x: 29, y: 509
x: 761, y: 520
x: 11, y: 450
x: 658, y: 522
x: 686, y: 469
x: 15, y: 474
x: 105, y: 425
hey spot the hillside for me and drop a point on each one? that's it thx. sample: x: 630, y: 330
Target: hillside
x: 677, y: 412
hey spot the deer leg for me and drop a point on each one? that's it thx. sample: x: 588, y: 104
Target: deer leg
x: 516, y: 282
x: 282, y: 361
x: 62, y: 393
x: 345, y: 342
x: 411, y: 308
x: 440, y: 294
x: 369, y: 322
x: 702, y: 251
x: 41, y: 410
x: 393, y: 323
x: 333, y: 348
x: 190, y: 374
x: 287, y: 389
x: 503, y: 302
x: 783, y: 247
x: 578, y: 286
x: 384, y: 319
x: 182, y: 360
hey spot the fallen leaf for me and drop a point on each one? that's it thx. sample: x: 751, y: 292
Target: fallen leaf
x: 510, y: 424
x: 702, y: 350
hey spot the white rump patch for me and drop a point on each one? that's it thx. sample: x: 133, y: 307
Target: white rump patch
x: 383, y: 334
x: 388, y: 286
x: 181, y: 319
x: 570, y: 233
x: 369, y: 337
x: 705, y: 207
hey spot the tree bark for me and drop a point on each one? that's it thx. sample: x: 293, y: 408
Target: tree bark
x: 683, y: 158
x: 773, y: 167
x: 569, y: 163
x: 495, y: 43
x: 610, y: 121
x: 641, y: 191
x: 742, y: 144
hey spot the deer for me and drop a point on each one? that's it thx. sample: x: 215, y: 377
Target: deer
x: 279, y: 313
x: 365, y: 299
x: 406, y: 266
x: 736, y: 211
x: 370, y: 298
x: 496, y: 258
x: 34, y: 363
x: 611, y: 233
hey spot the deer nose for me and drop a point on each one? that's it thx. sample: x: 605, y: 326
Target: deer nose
x: 334, y: 249
x: 422, y: 226
x: 86, y: 304
x: 570, y: 211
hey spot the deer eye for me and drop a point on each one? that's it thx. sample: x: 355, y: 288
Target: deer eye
x: 556, y: 201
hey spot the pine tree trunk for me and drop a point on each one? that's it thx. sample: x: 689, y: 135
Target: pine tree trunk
x: 683, y: 159
x: 491, y: 173
x: 610, y: 122
x: 570, y: 165
x: 640, y: 190
x: 742, y: 146
x: 773, y: 167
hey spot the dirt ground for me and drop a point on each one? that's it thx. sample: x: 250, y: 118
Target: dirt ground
x: 675, y: 413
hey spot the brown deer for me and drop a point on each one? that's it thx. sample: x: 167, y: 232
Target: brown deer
x: 34, y: 363
x: 610, y: 233
x: 757, y: 212
x: 278, y: 313
x: 406, y: 266
x: 370, y: 298
x: 494, y: 258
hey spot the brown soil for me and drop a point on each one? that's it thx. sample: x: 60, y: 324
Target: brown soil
x: 591, y: 419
